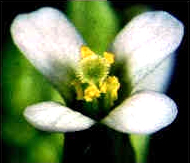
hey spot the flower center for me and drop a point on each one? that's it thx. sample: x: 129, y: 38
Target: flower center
x: 93, y: 80
x: 93, y: 69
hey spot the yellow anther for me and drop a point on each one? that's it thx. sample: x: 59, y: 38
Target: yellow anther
x: 112, y: 80
x: 110, y: 85
x: 91, y: 92
x: 103, y: 87
x: 114, y: 86
x: 109, y: 57
x: 86, y: 52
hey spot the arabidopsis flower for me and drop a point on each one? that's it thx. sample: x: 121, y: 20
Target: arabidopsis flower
x: 143, y: 55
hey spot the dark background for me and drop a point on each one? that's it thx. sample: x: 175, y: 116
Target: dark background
x: 172, y: 143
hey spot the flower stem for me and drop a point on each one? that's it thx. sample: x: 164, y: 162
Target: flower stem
x: 140, y: 144
x: 97, y: 144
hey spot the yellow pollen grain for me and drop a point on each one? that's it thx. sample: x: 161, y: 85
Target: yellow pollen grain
x: 109, y: 57
x: 86, y: 52
x: 91, y: 92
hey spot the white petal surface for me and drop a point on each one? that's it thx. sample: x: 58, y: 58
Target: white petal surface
x: 143, y: 113
x: 159, y: 79
x: 49, y: 41
x: 51, y: 116
x: 146, y: 41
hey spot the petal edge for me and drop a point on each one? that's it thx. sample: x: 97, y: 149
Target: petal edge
x: 143, y: 113
x: 146, y: 41
x: 51, y: 116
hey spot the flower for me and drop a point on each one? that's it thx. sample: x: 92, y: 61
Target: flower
x: 144, y: 48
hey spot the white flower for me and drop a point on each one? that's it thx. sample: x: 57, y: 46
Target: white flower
x: 145, y: 45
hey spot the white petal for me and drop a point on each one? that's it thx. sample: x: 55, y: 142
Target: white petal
x: 159, y: 79
x: 143, y: 113
x: 51, y: 116
x: 49, y: 41
x: 146, y: 41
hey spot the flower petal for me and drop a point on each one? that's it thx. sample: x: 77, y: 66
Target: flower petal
x: 143, y: 113
x: 51, y: 116
x: 49, y: 41
x: 146, y: 41
x: 159, y: 78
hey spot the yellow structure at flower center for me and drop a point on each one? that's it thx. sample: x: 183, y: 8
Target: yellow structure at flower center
x: 111, y: 85
x: 91, y: 92
x: 93, y: 76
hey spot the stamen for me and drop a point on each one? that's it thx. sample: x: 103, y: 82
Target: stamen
x: 110, y: 85
x: 86, y: 52
x: 78, y: 89
x: 91, y: 93
x: 109, y: 57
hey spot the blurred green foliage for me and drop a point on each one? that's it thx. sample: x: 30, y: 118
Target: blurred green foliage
x: 134, y: 10
x: 96, y: 21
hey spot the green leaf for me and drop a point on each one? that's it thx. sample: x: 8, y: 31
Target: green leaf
x: 96, y: 21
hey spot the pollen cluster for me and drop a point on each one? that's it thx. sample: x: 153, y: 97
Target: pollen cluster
x: 93, y: 78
